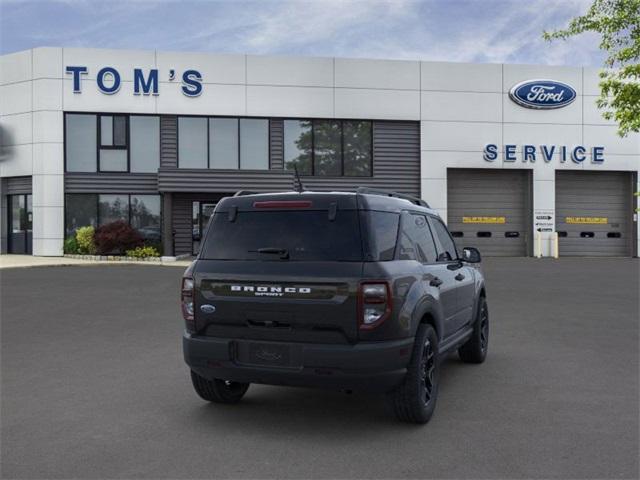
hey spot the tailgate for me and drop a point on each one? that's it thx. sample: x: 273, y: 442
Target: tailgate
x: 313, y: 302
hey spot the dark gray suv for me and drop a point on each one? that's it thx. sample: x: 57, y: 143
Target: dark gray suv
x: 352, y: 291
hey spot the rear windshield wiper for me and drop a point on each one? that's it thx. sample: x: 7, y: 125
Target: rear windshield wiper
x: 283, y: 252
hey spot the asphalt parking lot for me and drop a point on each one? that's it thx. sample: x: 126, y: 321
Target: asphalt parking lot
x: 94, y: 386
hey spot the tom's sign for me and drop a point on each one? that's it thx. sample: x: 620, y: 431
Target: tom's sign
x: 108, y: 80
x: 542, y: 94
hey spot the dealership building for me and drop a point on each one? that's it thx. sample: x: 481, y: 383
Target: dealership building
x: 516, y: 158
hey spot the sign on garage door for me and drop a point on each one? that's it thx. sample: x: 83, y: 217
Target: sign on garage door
x: 487, y: 209
x: 594, y: 213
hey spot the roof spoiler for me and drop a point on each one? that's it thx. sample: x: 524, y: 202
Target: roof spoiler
x: 388, y: 193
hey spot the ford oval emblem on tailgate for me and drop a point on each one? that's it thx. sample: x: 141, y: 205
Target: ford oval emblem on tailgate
x: 206, y: 308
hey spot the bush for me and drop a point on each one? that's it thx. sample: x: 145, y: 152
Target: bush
x: 116, y: 238
x: 70, y: 245
x: 143, y: 252
x: 85, y: 242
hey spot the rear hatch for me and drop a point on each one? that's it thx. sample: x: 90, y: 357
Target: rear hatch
x: 283, y: 269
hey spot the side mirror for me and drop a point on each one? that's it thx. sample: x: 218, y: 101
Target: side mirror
x: 471, y: 255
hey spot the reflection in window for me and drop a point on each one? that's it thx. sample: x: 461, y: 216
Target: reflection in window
x: 80, y: 142
x: 145, y: 217
x: 357, y: 148
x: 327, y: 144
x: 223, y: 142
x: 145, y: 143
x: 112, y: 208
x: 192, y: 142
x: 80, y: 211
x: 254, y: 143
x: 297, y: 146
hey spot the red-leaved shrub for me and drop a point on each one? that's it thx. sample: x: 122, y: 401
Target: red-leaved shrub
x: 116, y: 238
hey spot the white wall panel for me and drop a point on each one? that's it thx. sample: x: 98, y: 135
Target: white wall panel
x: 93, y: 100
x: 571, y: 114
x: 214, y: 100
x: 47, y: 94
x: 377, y: 104
x: 459, y: 136
x: 48, y: 126
x: 542, y: 134
x: 461, y: 106
x: 592, y: 114
x: 15, y: 67
x: 15, y: 129
x: 16, y: 161
x: 289, y: 101
x: 614, y: 144
x: 214, y: 68
x: 49, y: 247
x: 48, y: 158
x: 47, y: 222
x: 47, y: 62
x: 392, y: 74
x: 461, y: 77
x: 124, y: 61
x: 514, y: 74
x: 290, y: 71
x: 15, y: 98
x: 48, y: 190
x: 434, y: 192
x: 591, y: 77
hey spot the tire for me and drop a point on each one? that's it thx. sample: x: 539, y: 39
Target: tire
x: 218, y: 391
x: 475, y: 349
x: 415, y: 400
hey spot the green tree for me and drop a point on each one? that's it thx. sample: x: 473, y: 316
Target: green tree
x: 618, y: 23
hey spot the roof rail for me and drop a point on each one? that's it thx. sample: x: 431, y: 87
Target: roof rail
x: 241, y: 193
x: 388, y: 193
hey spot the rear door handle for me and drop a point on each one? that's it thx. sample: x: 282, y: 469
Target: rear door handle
x: 459, y: 277
x: 435, y: 282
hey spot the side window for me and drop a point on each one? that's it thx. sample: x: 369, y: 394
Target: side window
x: 416, y: 242
x: 446, y: 247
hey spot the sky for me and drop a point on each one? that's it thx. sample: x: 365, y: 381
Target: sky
x: 486, y: 31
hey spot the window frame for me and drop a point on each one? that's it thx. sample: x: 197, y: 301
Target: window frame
x: 439, y: 247
x: 403, y: 218
x: 101, y: 147
x: 98, y: 116
x: 239, y: 143
x: 341, y: 121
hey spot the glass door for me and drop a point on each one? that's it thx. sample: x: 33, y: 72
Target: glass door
x: 20, y: 224
x: 201, y: 213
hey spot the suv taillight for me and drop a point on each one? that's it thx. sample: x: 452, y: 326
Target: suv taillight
x: 374, y: 304
x: 186, y: 301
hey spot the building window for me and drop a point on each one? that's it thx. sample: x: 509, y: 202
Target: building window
x: 80, y: 142
x: 329, y: 147
x: 254, y: 144
x: 142, y: 212
x: 145, y: 143
x: 297, y: 146
x: 223, y: 143
x: 112, y: 143
x: 192, y: 142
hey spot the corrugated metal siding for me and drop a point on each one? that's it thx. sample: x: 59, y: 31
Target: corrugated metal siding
x: 276, y: 144
x: 489, y: 193
x: 168, y: 141
x: 594, y: 194
x: 110, y: 183
x: 18, y: 185
x: 396, y: 166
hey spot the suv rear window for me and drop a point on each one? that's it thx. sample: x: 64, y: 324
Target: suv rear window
x: 304, y: 235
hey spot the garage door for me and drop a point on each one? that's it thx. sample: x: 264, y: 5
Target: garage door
x: 594, y: 213
x: 489, y: 210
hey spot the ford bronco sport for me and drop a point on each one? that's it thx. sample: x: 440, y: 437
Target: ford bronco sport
x: 352, y: 291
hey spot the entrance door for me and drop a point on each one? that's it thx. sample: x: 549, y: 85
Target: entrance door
x: 201, y: 213
x: 20, y: 222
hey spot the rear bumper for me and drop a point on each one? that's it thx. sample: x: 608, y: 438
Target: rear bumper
x: 367, y: 366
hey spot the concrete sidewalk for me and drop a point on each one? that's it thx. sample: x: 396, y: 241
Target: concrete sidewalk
x: 25, y: 261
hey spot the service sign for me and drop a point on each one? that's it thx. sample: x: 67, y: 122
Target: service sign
x: 544, y: 220
x: 542, y: 94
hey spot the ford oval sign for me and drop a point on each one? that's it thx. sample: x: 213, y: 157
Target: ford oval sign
x: 542, y: 94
